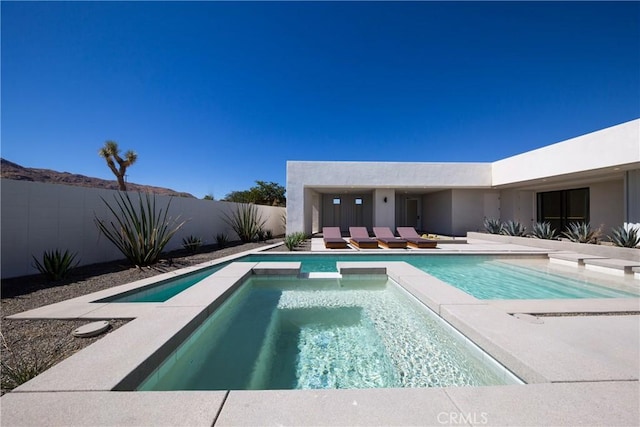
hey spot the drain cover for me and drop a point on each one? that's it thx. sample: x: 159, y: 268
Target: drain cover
x: 529, y: 318
x: 91, y: 329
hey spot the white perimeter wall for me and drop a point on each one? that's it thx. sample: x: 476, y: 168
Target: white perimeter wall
x: 36, y: 217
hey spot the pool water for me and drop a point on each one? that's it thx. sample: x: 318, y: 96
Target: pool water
x: 289, y: 333
x: 160, y: 292
x: 484, y: 277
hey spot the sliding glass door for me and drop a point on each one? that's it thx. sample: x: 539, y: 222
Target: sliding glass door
x: 563, y: 207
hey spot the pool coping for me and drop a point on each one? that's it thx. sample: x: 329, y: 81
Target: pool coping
x: 94, y: 307
x: 576, y: 384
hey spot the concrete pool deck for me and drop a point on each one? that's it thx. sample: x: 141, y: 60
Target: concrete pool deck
x: 579, y: 370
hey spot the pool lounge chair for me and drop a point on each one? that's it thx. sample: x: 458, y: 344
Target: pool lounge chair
x: 333, y: 238
x: 387, y: 240
x: 360, y: 238
x: 414, y: 240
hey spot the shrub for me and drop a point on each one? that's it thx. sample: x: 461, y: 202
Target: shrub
x: 293, y: 240
x: 625, y: 237
x: 543, y: 230
x: 191, y: 244
x: 492, y: 225
x: 55, y: 264
x: 246, y: 221
x: 140, y: 234
x: 513, y: 228
x: 581, y: 232
x: 222, y: 240
x: 17, y: 369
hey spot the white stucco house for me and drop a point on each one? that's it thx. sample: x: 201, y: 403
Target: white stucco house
x: 593, y: 177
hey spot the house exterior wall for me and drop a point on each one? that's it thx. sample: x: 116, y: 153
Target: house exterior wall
x: 606, y: 201
x: 632, y: 198
x: 437, y: 212
x: 38, y: 217
x: 384, y: 203
x: 456, y: 196
x: 347, y: 213
x: 610, y: 147
x: 517, y: 205
x: 468, y: 211
x: 368, y: 175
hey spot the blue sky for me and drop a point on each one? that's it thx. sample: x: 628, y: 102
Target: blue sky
x: 215, y: 95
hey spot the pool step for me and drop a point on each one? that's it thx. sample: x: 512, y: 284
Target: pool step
x: 601, y: 264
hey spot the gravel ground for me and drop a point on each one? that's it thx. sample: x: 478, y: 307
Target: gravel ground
x: 29, y: 344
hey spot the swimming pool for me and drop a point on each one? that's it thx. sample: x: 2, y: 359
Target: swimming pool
x: 483, y: 276
x: 355, y: 332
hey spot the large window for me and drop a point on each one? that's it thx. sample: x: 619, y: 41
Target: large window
x: 563, y: 207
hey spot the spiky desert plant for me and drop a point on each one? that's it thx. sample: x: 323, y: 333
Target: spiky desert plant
x: 55, y: 264
x: 581, y: 232
x: 17, y: 369
x: 513, y: 228
x: 140, y: 232
x: 543, y: 230
x: 222, y: 240
x: 492, y: 225
x: 191, y: 243
x: 111, y: 154
x: 293, y: 240
x: 628, y: 237
x: 246, y: 221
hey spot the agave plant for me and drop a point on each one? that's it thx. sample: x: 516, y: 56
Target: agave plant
x: 191, y: 244
x: 625, y: 237
x: 140, y: 232
x: 55, y: 265
x: 493, y: 225
x: 513, y: 228
x: 291, y: 241
x: 222, y: 240
x: 543, y: 230
x: 581, y: 232
x: 246, y: 221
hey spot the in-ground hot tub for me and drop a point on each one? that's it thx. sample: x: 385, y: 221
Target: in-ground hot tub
x: 363, y: 331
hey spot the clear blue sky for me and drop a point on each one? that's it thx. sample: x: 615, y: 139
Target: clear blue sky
x: 215, y: 95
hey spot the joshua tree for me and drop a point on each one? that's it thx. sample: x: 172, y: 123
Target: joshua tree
x: 111, y: 152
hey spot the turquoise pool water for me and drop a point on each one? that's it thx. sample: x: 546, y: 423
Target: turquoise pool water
x: 289, y: 333
x: 160, y: 292
x: 484, y: 277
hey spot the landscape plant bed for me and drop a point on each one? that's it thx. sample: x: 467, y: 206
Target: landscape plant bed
x: 604, y: 250
x: 26, y: 343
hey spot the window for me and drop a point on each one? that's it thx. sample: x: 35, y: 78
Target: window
x: 336, y: 201
x: 358, y: 201
x: 560, y: 208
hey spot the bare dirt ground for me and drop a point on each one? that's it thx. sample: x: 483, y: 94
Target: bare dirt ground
x: 27, y: 344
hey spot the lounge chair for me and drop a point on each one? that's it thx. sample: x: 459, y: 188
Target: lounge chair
x: 414, y: 240
x: 333, y: 238
x: 387, y: 240
x: 360, y: 238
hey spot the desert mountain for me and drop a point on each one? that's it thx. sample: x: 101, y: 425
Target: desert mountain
x: 9, y: 170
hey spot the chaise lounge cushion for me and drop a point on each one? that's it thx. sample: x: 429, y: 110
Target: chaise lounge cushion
x: 387, y: 239
x: 414, y: 240
x: 333, y: 238
x: 360, y: 238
